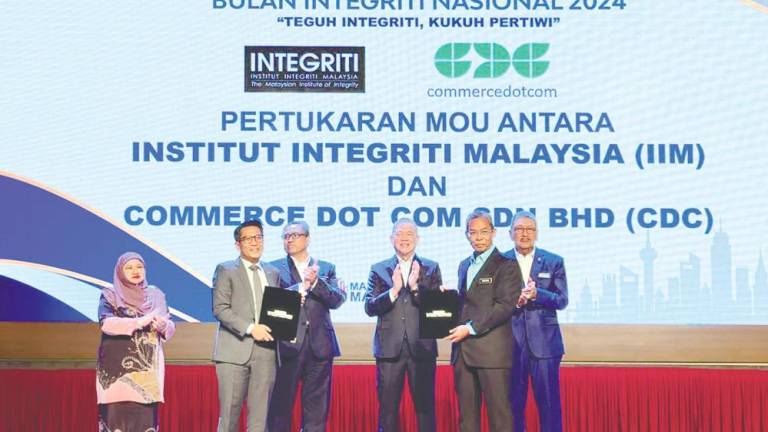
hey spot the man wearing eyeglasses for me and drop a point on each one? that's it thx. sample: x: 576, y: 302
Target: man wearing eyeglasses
x: 309, y: 357
x: 244, y: 350
x: 392, y: 296
x: 489, y: 285
x: 538, y: 341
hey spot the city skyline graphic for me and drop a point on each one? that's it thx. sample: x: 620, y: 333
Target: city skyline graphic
x: 634, y: 293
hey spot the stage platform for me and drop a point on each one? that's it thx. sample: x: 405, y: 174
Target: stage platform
x: 615, y: 378
x: 595, y: 398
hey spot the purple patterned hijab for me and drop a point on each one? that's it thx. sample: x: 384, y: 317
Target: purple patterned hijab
x: 141, y: 297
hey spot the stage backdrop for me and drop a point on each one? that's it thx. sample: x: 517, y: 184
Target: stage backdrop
x: 634, y: 130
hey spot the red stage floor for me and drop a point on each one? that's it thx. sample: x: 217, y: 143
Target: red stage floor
x: 594, y: 399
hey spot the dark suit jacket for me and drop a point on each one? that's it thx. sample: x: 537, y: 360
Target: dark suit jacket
x: 488, y: 304
x: 315, y: 314
x: 535, y: 324
x: 399, y: 320
x: 233, y: 307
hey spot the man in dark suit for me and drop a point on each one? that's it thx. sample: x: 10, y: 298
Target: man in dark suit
x: 538, y: 341
x: 244, y: 351
x: 309, y: 357
x: 393, y: 296
x: 481, y: 356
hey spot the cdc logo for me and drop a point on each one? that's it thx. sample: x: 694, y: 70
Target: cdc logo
x: 451, y: 59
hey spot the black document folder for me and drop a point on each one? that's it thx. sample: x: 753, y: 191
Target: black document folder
x: 438, y: 313
x: 280, y: 312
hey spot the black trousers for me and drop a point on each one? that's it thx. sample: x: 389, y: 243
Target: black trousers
x: 315, y: 375
x: 475, y: 384
x: 390, y: 375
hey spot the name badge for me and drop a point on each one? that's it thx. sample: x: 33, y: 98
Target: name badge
x: 485, y: 281
x: 545, y: 275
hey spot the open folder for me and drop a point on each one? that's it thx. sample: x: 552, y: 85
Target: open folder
x: 438, y: 313
x: 280, y: 312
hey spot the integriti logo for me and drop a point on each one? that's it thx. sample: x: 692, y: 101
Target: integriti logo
x: 304, y: 69
x: 452, y: 59
x: 282, y: 61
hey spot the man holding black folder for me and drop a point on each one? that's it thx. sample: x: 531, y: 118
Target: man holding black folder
x: 308, y: 357
x: 392, y: 296
x: 244, y: 350
x: 489, y: 286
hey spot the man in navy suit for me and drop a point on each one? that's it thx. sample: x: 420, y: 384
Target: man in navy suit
x: 392, y: 295
x: 538, y: 341
x: 489, y: 285
x: 309, y: 357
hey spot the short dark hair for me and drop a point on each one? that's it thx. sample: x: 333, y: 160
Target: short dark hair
x: 478, y: 214
x: 252, y: 222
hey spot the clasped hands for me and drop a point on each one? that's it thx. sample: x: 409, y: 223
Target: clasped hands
x: 157, y: 322
x: 413, y: 278
x: 308, y: 280
x: 528, y: 293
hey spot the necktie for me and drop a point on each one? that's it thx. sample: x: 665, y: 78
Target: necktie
x: 257, y: 291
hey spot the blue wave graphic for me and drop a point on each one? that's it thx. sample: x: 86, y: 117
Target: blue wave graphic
x: 43, y: 228
x: 81, y: 296
x: 21, y: 302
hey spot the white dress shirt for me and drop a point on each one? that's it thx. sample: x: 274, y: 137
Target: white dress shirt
x: 526, y: 263
x: 405, y: 271
x: 263, y: 278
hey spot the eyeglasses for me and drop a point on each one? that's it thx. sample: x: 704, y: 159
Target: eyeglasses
x: 476, y: 234
x: 293, y: 236
x: 525, y: 230
x: 257, y: 238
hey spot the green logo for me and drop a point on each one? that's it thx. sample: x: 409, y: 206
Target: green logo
x: 451, y: 61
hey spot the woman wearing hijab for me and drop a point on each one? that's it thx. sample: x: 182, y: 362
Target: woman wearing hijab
x: 130, y: 368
